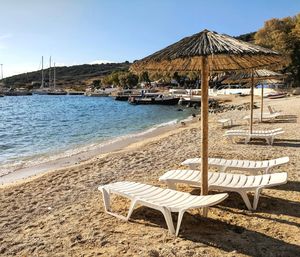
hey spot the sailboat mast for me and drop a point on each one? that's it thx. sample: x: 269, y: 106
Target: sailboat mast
x: 1, y: 71
x: 54, y: 76
x: 50, y: 72
x: 42, y: 72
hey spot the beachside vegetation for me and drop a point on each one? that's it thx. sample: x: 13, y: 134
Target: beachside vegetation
x: 122, y: 79
x: 283, y: 35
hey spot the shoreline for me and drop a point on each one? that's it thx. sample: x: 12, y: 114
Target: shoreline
x: 89, y: 152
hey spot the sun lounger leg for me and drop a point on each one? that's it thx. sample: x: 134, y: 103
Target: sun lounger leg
x: 180, y: 216
x: 131, y: 208
x: 246, y: 199
x: 168, y: 217
x: 106, y: 199
x: 223, y: 169
x: 256, y: 198
x: 247, y: 140
x: 204, y: 211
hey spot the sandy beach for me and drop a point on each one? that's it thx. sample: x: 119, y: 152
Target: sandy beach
x: 60, y: 213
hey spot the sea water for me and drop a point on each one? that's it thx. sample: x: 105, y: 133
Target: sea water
x: 39, y: 126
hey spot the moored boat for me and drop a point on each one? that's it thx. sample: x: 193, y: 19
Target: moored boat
x: 97, y: 94
x: 160, y: 99
x: 277, y: 95
x: 125, y: 94
x: 75, y: 93
x: 16, y: 93
x: 57, y: 92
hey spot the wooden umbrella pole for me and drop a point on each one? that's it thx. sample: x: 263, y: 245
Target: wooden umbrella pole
x: 251, y: 104
x: 262, y: 103
x: 204, y: 125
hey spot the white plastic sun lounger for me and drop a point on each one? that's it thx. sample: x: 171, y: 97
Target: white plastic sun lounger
x: 272, y: 110
x: 225, y: 165
x: 164, y: 200
x: 266, y: 116
x: 238, y: 183
x: 268, y: 135
x: 226, y: 122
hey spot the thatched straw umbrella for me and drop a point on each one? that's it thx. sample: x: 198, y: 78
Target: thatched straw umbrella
x: 258, y: 76
x: 203, y: 52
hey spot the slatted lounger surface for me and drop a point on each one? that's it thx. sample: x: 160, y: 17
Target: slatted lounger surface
x: 164, y: 200
x: 250, y: 166
x: 227, y: 182
x: 268, y: 135
x: 266, y: 116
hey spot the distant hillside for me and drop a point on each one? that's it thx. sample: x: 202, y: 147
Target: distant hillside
x: 77, y: 76
x: 248, y: 37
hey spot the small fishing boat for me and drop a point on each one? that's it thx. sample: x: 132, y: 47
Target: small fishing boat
x: 160, y: 99
x: 276, y: 95
x: 57, y: 92
x: 97, y: 93
x: 17, y: 93
x: 191, y: 101
x: 125, y: 94
x: 75, y: 93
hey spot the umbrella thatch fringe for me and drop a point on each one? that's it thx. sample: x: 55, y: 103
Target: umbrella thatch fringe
x: 259, y: 75
x: 224, y: 53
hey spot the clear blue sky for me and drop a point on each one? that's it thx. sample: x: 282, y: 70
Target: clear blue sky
x: 84, y: 31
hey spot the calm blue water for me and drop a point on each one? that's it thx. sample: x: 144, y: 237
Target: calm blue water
x: 35, y: 125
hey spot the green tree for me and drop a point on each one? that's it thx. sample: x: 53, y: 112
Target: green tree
x: 115, y: 78
x: 123, y: 80
x: 283, y: 35
x: 144, y: 77
x: 97, y: 83
x: 193, y: 76
x: 132, y: 79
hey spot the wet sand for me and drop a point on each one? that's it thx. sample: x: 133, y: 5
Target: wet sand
x: 60, y: 213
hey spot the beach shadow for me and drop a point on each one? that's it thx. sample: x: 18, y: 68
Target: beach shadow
x: 220, y: 234
x: 266, y: 204
x: 277, y: 142
x: 287, y: 142
x: 231, y: 126
x: 283, y: 119
x: 290, y: 186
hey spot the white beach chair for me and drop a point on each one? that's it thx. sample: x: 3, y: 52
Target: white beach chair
x: 164, y: 200
x: 225, y: 165
x: 268, y: 135
x: 226, y: 122
x: 238, y: 183
x: 266, y: 116
x: 273, y: 110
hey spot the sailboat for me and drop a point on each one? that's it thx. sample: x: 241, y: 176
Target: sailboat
x: 42, y: 90
x: 48, y: 90
x: 53, y: 90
